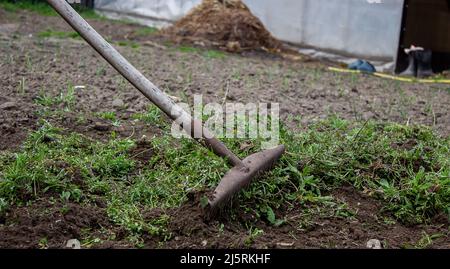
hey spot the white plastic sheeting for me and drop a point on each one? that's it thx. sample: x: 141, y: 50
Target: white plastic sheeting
x: 149, y: 12
x: 365, y: 28
x: 358, y: 28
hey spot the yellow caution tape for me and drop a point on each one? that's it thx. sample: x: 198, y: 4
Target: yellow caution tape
x: 382, y: 75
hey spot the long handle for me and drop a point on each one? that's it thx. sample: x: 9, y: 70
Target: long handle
x: 139, y: 81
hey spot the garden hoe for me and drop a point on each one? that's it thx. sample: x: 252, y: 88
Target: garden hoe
x: 243, y: 171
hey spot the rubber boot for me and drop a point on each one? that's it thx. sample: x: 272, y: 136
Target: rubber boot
x: 424, y: 68
x: 411, y: 70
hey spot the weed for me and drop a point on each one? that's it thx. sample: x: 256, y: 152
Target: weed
x: 187, y: 49
x: 101, y: 70
x: 145, y: 31
x: 50, y: 162
x: 152, y: 116
x: 405, y: 166
x: 43, y: 243
x: 58, y: 34
x: 127, y: 43
x: 214, y: 54
x: 29, y: 63
x: 22, y: 86
x: 81, y: 119
x: 253, y: 234
x: 65, y: 98
x: 111, y: 116
x: 68, y: 97
x: 427, y: 240
x: 236, y: 75
x: 221, y: 228
x: 211, y: 54
x: 89, y: 242
x: 42, y: 8
x: 271, y: 217
x: 3, y: 206
x: 286, y: 83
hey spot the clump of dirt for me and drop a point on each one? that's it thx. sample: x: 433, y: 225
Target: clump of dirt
x: 190, y: 228
x: 227, y: 24
x: 193, y: 220
x: 14, y: 121
x: 142, y: 152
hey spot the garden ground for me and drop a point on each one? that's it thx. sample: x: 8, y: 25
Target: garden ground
x: 367, y: 158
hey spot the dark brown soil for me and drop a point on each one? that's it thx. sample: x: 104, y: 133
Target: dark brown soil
x: 47, y: 224
x: 190, y: 230
x: 50, y: 224
x: 31, y: 66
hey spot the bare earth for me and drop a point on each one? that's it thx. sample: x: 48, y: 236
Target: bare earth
x: 306, y: 91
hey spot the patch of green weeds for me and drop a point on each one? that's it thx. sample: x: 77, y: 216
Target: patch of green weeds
x: 53, y: 164
x: 427, y: 240
x: 406, y: 167
x: 58, y: 34
x: 207, y: 53
x: 145, y: 31
x: 152, y: 116
x: 253, y: 234
x: 128, y: 43
x: 111, y: 116
x: 214, y: 54
x: 65, y: 98
x: 42, y: 8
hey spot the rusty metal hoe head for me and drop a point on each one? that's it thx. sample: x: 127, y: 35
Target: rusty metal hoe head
x: 241, y: 176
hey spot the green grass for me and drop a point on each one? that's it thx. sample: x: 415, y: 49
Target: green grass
x: 405, y: 167
x: 128, y: 43
x: 58, y: 34
x: 408, y: 167
x: 207, y: 53
x: 145, y: 31
x: 111, y: 116
x: 42, y: 8
x: 187, y: 49
x: 217, y: 54
x: 66, y: 98
x: 153, y: 116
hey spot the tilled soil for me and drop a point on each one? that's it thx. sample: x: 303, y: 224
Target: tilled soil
x: 50, y: 224
x: 191, y: 231
x: 31, y: 66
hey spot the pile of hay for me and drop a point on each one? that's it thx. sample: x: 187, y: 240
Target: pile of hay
x: 226, y: 24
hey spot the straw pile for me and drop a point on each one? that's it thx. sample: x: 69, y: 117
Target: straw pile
x: 226, y: 24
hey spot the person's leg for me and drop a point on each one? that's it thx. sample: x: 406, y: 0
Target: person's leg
x: 424, y: 67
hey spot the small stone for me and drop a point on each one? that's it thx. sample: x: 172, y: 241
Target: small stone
x: 118, y: 103
x: 373, y: 244
x: 204, y: 243
x: 8, y: 105
x: 73, y: 244
x: 283, y: 244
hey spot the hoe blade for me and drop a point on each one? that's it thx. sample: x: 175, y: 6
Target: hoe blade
x: 239, y: 177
